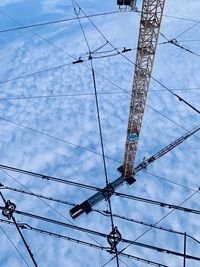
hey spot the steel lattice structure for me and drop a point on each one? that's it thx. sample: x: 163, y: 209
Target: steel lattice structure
x: 151, y: 16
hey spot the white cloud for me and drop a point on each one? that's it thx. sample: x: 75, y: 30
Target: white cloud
x: 74, y: 119
x: 9, y: 2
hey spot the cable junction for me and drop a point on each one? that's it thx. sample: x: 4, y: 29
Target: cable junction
x: 25, y: 226
x: 86, y: 206
x: 8, y: 211
x: 106, y: 213
x: 100, y: 234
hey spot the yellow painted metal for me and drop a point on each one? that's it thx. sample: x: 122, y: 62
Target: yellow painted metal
x: 151, y: 16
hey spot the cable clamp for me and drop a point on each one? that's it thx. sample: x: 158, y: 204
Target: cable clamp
x: 173, y: 41
x: 78, y: 61
x: 8, y: 209
x: 108, y: 191
x: 114, y: 238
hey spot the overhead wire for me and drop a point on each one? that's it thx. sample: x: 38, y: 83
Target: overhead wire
x: 72, y: 183
x: 77, y: 94
x: 102, y: 212
x: 187, y: 30
x: 100, y: 234
x: 25, y: 226
x: 155, y: 224
x: 15, y: 247
x: 54, y: 22
x: 21, y: 235
x: 82, y: 17
x: 177, y: 96
x: 41, y: 199
x: 55, y: 68
x: 98, y: 119
x: 84, y: 64
x: 118, y: 194
x: 176, y: 43
x: 49, y: 42
x: 156, y: 80
x: 55, y: 138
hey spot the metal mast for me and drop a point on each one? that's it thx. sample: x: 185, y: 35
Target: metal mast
x: 151, y: 16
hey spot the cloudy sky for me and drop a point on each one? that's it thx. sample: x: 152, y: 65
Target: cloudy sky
x: 60, y: 104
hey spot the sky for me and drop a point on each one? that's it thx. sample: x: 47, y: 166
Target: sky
x: 53, y: 103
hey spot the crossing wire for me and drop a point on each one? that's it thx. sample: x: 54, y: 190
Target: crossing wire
x: 49, y: 42
x: 81, y: 17
x: 71, y: 183
x: 53, y: 96
x: 17, y: 250
x: 188, y: 29
x: 100, y: 234
x: 25, y: 226
x: 47, y: 204
x: 54, y: 21
x: 52, y: 44
x: 105, y: 213
x: 155, y: 224
x: 21, y: 235
x: 157, y: 81
x: 118, y: 194
x: 46, y: 40
x: 99, y: 122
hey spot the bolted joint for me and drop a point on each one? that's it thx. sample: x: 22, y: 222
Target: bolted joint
x: 108, y: 191
x: 129, y: 178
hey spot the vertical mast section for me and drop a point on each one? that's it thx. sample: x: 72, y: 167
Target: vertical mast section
x: 151, y: 16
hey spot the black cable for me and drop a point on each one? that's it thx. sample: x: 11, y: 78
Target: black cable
x: 25, y: 226
x: 102, y: 148
x: 11, y: 98
x: 180, y: 98
x: 118, y: 194
x: 146, y: 231
x: 75, y: 18
x: 40, y: 198
x: 169, y: 181
x: 21, y: 235
x: 99, y: 123
x: 44, y: 39
x: 100, y: 234
x: 54, y: 22
x: 188, y: 29
x: 10, y: 240
x: 89, y: 187
x: 56, y: 138
x: 176, y: 43
x: 57, y: 67
x: 104, y: 213
x: 34, y: 73
x: 180, y: 18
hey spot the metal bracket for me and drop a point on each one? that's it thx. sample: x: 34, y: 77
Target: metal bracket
x: 114, y: 238
x: 108, y: 191
x: 8, y: 209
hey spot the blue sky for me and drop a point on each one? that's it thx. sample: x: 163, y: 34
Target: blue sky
x: 74, y: 120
